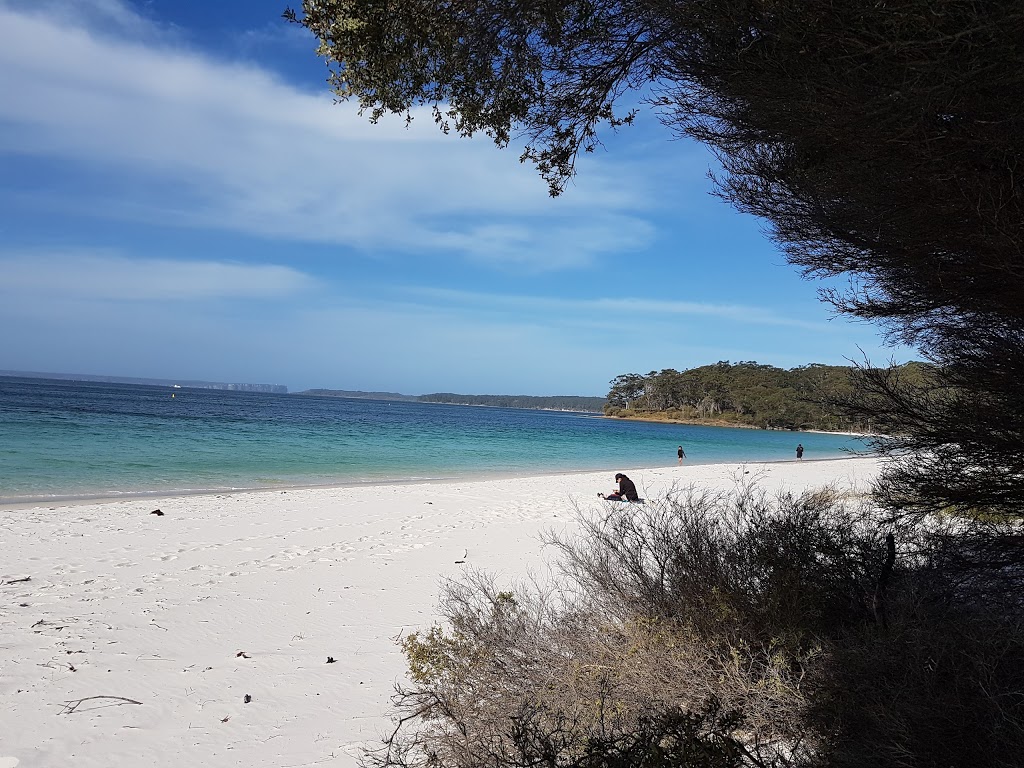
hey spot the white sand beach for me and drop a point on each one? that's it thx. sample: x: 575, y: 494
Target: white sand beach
x: 181, y: 616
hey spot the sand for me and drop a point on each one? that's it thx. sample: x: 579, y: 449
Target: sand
x: 226, y: 596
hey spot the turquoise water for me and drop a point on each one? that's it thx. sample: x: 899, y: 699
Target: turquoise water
x: 62, y: 439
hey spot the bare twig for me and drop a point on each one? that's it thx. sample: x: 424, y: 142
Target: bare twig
x: 71, y: 706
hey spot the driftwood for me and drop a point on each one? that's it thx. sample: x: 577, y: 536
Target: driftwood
x: 71, y: 706
x: 17, y: 581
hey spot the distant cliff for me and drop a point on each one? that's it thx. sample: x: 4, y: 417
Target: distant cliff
x: 277, y: 389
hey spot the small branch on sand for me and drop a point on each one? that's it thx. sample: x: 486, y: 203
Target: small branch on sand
x: 45, y: 623
x: 71, y: 706
x: 17, y: 581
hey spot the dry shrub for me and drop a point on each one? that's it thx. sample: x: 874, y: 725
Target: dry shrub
x: 718, y: 630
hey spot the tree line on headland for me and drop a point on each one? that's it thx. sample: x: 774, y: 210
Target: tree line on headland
x: 725, y: 394
x: 745, y: 394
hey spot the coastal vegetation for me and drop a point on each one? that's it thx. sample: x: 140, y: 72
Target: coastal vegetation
x: 746, y: 394
x: 878, y: 142
x: 724, y: 393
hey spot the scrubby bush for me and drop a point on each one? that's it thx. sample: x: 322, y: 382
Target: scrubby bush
x: 725, y: 630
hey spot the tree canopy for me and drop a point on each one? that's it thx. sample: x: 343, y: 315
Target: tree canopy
x: 880, y: 140
x: 744, y: 393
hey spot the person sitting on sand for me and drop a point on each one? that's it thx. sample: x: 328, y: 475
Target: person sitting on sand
x: 625, y: 492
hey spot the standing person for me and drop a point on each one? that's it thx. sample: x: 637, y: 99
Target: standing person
x: 681, y: 454
x: 799, y: 451
x: 625, y: 492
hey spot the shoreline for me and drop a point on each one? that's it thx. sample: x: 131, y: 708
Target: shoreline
x: 106, y: 497
x: 734, y: 425
x: 260, y: 627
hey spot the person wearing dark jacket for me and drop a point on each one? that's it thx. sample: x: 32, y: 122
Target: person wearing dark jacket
x: 625, y: 492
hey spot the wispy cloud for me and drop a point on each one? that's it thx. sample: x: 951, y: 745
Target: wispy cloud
x: 611, y: 309
x: 92, y: 276
x: 232, y: 146
x: 275, y: 34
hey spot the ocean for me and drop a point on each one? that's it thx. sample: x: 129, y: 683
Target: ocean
x: 63, y: 440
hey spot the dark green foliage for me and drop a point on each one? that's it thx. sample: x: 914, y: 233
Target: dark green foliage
x: 954, y: 434
x: 742, y: 393
x: 673, y: 738
x: 940, y: 689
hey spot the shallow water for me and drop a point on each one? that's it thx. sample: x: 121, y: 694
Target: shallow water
x: 63, y: 439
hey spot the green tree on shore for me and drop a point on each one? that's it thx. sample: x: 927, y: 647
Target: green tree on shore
x: 742, y: 393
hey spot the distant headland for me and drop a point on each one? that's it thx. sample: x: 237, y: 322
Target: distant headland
x: 573, y: 403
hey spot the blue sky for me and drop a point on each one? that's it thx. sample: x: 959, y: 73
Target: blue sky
x: 181, y: 198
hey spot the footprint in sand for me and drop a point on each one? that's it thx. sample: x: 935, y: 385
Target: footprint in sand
x: 154, y: 578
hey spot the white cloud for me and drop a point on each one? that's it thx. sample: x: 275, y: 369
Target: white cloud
x: 109, y: 277
x: 114, y: 18
x: 616, y: 310
x: 230, y: 146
